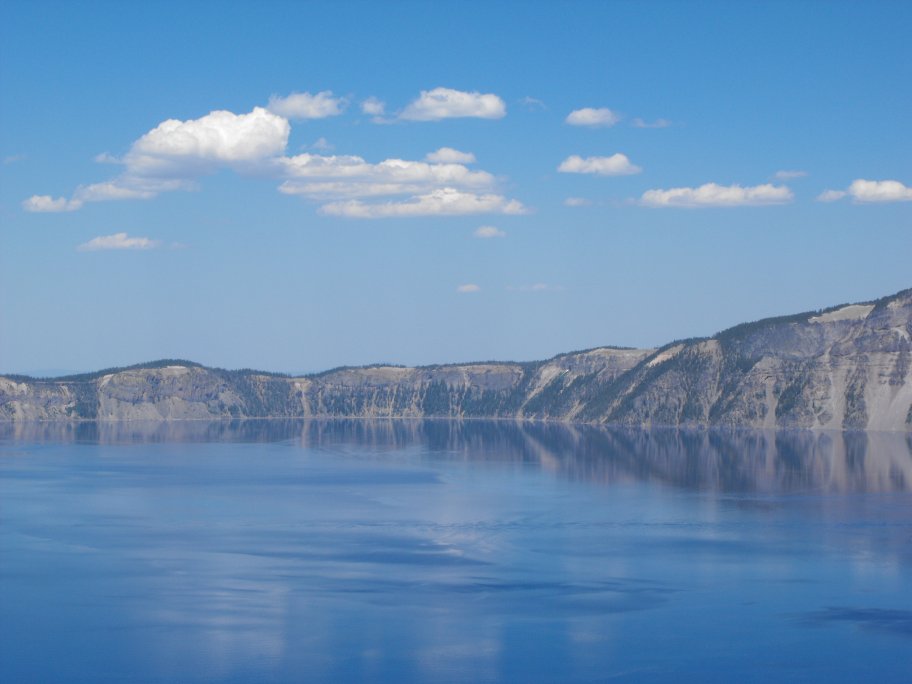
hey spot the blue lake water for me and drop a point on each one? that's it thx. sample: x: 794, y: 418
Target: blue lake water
x: 452, y: 552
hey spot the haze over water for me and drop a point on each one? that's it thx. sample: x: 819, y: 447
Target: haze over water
x: 440, y: 551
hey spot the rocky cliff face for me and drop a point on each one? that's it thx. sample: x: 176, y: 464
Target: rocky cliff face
x: 844, y: 368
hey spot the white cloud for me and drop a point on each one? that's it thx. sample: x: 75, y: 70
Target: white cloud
x: 169, y: 156
x: 117, y: 241
x: 439, y: 202
x: 307, y: 106
x: 447, y: 155
x: 532, y: 103
x: 13, y: 158
x: 46, y: 203
x: 658, y: 123
x: 468, y: 287
x: 321, y: 177
x: 615, y: 165
x: 577, y: 202
x: 588, y: 116
x: 373, y: 106
x: 789, y: 175
x: 174, y: 154
x: 867, y: 191
x: 714, y: 195
x: 831, y: 195
x: 127, y: 187
x: 879, y: 191
x: 487, y: 232
x: 220, y: 136
x: 446, y: 103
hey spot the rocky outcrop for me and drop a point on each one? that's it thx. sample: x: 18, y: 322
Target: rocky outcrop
x: 844, y: 368
x: 848, y: 367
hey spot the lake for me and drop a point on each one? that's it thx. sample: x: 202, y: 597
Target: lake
x: 399, y: 551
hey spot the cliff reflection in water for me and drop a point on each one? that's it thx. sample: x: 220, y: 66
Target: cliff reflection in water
x: 714, y: 460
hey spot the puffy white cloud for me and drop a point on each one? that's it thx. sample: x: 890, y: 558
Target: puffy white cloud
x: 588, y: 116
x: 831, y: 195
x: 46, y: 203
x: 373, y: 106
x: 789, y: 175
x: 615, y: 165
x: 468, y: 288
x: 117, y: 241
x: 174, y: 146
x: 879, y: 191
x: 487, y: 232
x: 446, y: 103
x: 106, y: 158
x: 174, y: 154
x: 439, y: 202
x: 447, y: 155
x: 307, y: 106
x: 577, y: 202
x: 714, y: 195
x: 658, y: 123
x: 868, y: 191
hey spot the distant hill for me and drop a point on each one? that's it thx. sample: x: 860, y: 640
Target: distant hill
x: 846, y: 367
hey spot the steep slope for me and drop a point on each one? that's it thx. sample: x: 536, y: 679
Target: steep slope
x: 849, y: 367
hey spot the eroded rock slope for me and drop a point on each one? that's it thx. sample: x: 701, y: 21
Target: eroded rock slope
x: 843, y: 368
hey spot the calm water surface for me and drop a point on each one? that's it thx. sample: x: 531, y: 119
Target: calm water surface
x: 452, y: 552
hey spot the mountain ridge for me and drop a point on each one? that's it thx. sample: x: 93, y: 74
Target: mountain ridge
x: 842, y: 367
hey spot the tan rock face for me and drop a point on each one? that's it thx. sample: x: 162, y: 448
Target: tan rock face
x: 850, y: 367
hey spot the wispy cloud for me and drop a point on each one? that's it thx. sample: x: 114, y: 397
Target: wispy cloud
x: 48, y: 204
x: 326, y: 177
x: 831, y: 195
x: 789, y: 175
x: 535, y: 287
x: 447, y: 103
x: 373, y: 106
x: 447, y: 155
x: 322, y: 145
x: 106, y: 158
x: 589, y: 116
x: 13, y: 158
x: 307, y: 106
x: 658, y: 123
x: 487, y: 232
x: 577, y: 202
x: 714, y: 195
x: 869, y: 191
x: 441, y: 202
x: 117, y: 241
x: 532, y: 103
x: 615, y: 165
x: 468, y: 288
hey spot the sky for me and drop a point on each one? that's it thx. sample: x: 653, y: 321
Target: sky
x: 297, y: 186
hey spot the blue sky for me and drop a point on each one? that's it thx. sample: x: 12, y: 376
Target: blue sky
x: 213, y: 181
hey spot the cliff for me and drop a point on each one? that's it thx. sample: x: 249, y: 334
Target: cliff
x: 848, y: 367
